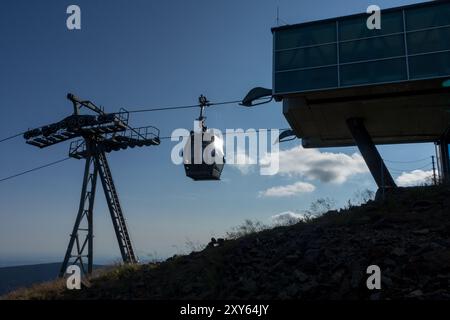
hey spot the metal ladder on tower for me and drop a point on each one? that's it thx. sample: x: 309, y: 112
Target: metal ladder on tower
x: 112, y: 198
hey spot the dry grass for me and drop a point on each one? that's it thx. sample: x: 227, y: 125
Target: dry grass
x: 42, y: 291
x: 56, y: 289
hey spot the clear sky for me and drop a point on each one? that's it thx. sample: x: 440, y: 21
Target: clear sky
x: 143, y: 54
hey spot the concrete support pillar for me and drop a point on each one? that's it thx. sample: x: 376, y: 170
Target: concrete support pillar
x: 444, y: 161
x: 370, y: 154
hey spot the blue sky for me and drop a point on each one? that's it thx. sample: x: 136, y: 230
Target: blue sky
x: 143, y: 54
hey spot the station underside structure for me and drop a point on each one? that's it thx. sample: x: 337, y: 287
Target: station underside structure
x: 415, y: 112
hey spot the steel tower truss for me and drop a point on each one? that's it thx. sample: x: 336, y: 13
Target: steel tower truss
x: 100, y: 134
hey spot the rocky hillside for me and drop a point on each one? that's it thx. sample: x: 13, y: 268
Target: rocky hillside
x: 407, y: 235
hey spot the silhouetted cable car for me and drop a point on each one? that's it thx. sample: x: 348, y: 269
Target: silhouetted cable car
x: 203, y: 154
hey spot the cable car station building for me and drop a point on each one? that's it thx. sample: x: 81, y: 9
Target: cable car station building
x: 343, y: 84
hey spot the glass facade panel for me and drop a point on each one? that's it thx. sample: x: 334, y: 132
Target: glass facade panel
x: 374, y: 48
x: 309, y: 35
x: 428, y: 17
x: 429, y: 40
x: 306, y: 58
x: 302, y: 80
x: 356, y: 28
x: 313, y: 56
x: 373, y: 72
x: 429, y: 65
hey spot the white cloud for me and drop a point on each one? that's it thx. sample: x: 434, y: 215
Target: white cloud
x: 288, y: 217
x: 289, y: 190
x: 313, y: 164
x: 414, y: 178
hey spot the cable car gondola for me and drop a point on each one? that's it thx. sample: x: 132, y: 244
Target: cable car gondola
x: 203, y: 154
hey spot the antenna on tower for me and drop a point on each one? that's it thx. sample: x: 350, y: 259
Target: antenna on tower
x: 279, y: 19
x: 278, y: 16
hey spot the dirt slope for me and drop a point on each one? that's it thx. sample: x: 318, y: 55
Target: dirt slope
x: 407, y: 235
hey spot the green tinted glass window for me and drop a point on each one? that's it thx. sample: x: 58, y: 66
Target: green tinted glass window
x: 312, y: 56
x: 430, y: 65
x: 429, y: 40
x: 428, y: 17
x: 302, y: 80
x: 306, y: 58
x: 373, y: 72
x: 309, y: 35
x: 355, y: 28
x: 374, y: 48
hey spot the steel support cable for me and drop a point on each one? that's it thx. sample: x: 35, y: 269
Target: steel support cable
x: 62, y: 160
x: 149, y: 110
x: 12, y: 137
x: 211, y: 104
x: 411, y: 161
x: 225, y: 133
x: 427, y: 166
x: 34, y: 169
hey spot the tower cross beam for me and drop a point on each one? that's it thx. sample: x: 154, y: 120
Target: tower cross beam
x: 100, y: 134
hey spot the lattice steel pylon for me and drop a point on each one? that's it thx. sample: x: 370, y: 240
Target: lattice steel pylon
x: 101, y: 133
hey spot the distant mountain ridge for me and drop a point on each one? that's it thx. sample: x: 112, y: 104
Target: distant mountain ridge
x: 15, y: 277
